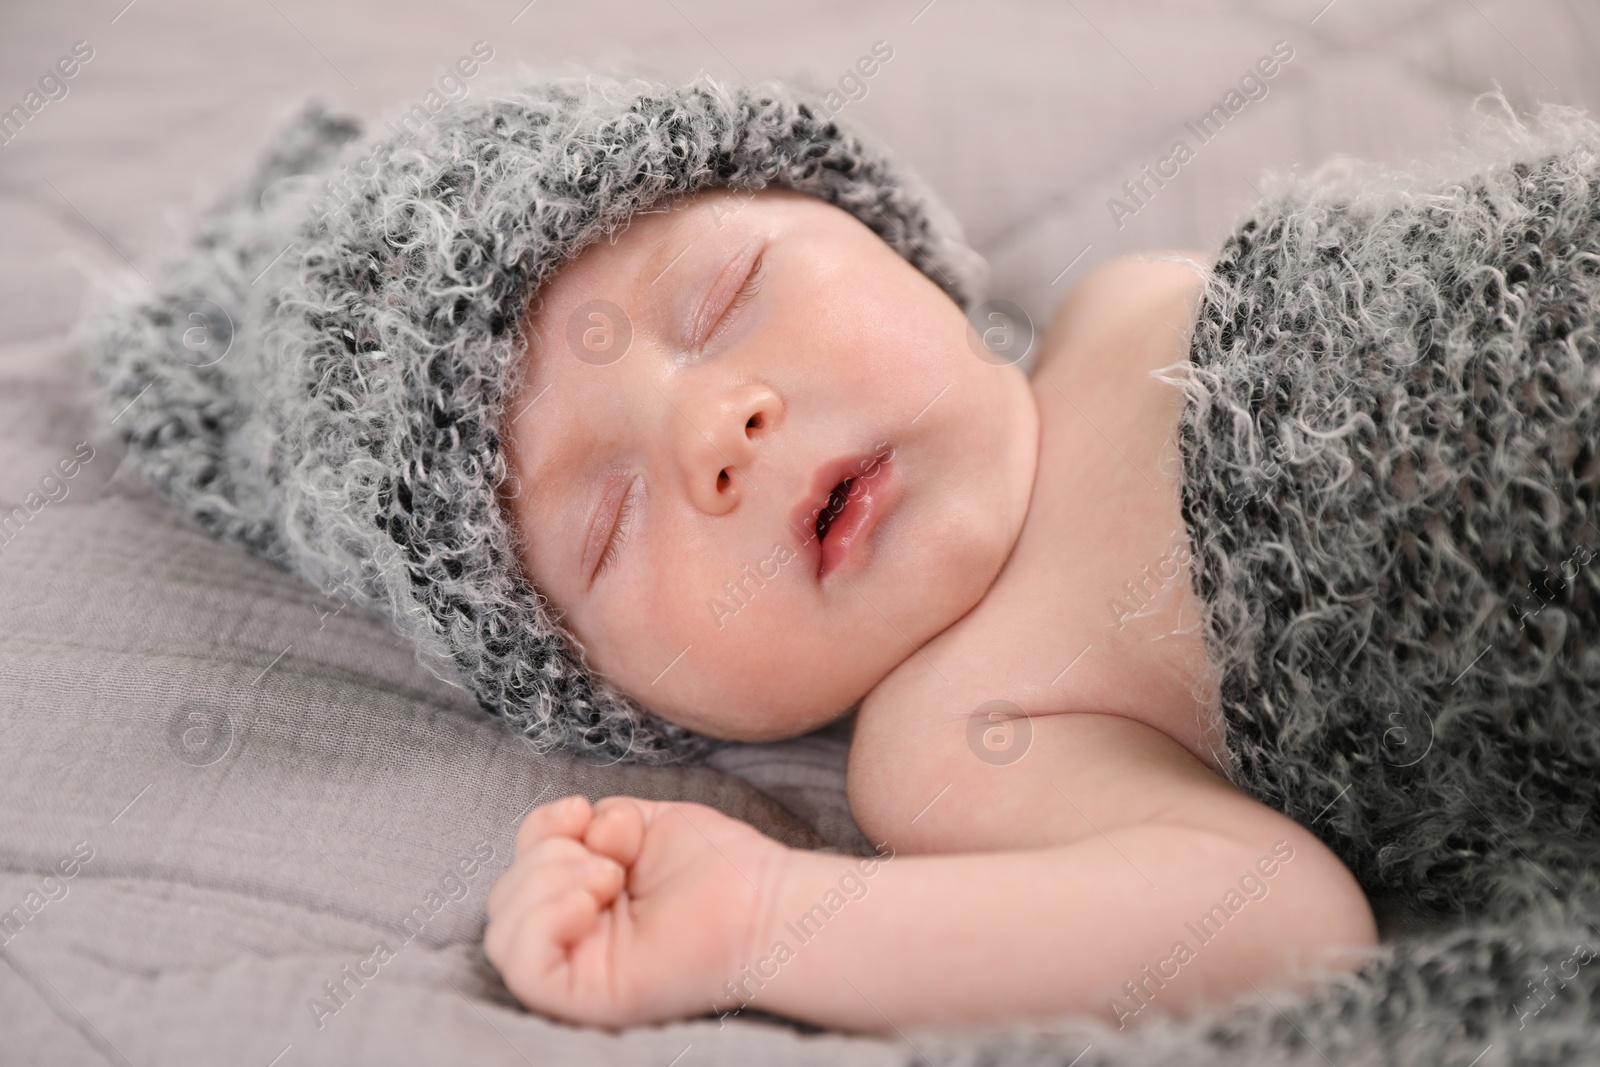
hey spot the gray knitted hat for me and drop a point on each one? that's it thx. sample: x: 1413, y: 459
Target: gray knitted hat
x: 319, y: 374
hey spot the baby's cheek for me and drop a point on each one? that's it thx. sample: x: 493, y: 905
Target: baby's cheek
x: 662, y: 611
x: 714, y: 637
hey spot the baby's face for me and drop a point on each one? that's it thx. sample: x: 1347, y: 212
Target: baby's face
x: 695, y: 394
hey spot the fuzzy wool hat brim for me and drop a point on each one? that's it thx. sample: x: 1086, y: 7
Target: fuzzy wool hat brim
x: 320, y: 373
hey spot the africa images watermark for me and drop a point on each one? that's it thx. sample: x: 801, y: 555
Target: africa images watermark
x: 1252, y: 887
x: 1581, y: 955
x: 53, y: 488
x: 51, y: 889
x: 999, y: 732
x: 804, y: 927
x: 1578, y: 559
x: 52, y: 86
x: 742, y: 589
x: 453, y: 888
x: 1139, y: 590
x: 348, y: 184
x: 853, y: 83
x: 1139, y: 191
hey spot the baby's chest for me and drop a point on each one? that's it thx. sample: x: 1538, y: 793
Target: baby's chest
x: 1095, y: 611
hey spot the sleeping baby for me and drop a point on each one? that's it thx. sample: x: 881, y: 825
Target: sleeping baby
x: 671, y: 416
x: 944, y: 534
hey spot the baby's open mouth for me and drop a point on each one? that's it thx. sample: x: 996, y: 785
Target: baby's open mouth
x: 837, y: 501
x: 837, y: 520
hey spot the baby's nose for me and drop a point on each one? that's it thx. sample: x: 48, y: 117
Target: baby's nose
x: 719, y: 439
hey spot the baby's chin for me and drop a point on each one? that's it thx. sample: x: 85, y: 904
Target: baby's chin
x: 757, y: 699
x: 745, y: 710
x: 747, y: 727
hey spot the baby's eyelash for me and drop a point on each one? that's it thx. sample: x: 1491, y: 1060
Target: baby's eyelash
x: 752, y: 286
x: 619, y: 536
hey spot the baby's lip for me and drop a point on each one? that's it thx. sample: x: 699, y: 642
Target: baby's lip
x: 803, y: 518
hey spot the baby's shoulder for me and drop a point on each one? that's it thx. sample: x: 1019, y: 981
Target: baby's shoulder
x: 938, y: 779
x: 1134, y: 275
x: 1120, y: 294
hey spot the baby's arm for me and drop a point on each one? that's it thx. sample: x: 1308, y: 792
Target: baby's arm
x: 974, y: 938
x: 1002, y: 899
x: 1061, y: 883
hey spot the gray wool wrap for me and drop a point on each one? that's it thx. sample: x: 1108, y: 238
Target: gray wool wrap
x: 319, y: 375
x: 1391, y: 455
x: 1390, y: 476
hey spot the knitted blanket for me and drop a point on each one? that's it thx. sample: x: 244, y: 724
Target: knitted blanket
x: 1391, y: 458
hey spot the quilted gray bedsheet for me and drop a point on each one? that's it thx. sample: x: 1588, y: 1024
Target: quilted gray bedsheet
x: 250, y: 786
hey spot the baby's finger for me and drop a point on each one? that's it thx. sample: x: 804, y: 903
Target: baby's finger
x: 531, y: 881
x: 528, y: 946
x: 544, y: 863
x: 509, y: 887
x: 567, y: 817
x: 617, y: 829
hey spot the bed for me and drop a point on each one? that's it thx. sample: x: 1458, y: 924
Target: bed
x: 252, y: 786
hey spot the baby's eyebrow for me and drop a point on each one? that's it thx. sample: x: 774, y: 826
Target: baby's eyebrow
x: 553, y: 468
x: 563, y: 479
x: 662, y: 268
x: 657, y: 276
x: 671, y: 244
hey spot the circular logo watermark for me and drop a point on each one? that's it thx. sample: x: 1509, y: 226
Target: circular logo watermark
x: 1407, y: 739
x: 999, y: 732
x: 599, y: 332
x: 199, y: 734
x: 201, y: 332
x: 999, y: 332
x: 1406, y: 345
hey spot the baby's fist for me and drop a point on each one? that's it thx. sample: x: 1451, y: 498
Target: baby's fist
x: 629, y: 912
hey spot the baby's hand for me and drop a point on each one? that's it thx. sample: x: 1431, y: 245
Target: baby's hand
x: 629, y: 912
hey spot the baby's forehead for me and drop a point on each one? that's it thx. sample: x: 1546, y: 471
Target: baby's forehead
x: 640, y: 239
x: 648, y: 244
